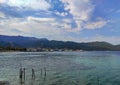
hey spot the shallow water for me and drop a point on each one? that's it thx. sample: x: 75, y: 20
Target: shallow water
x: 63, y: 68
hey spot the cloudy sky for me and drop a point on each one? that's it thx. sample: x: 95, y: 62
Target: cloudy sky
x: 67, y: 20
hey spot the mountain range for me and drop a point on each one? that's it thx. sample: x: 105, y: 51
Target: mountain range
x: 32, y: 42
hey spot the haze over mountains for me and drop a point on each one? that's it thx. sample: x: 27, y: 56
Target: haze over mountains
x: 32, y: 42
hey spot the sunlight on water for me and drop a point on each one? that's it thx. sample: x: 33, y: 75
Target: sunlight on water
x: 62, y: 68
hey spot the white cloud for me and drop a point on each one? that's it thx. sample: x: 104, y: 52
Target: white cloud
x: 2, y: 1
x: 33, y: 4
x: 81, y: 11
x: 97, y: 24
x: 2, y: 15
x: 30, y: 27
x: 40, y: 19
x: 67, y: 20
x: 61, y: 14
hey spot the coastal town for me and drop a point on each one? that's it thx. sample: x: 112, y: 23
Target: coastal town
x: 49, y: 50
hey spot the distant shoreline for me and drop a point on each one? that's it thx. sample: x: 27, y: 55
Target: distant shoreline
x: 60, y: 51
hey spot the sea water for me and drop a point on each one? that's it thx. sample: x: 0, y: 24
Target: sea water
x: 62, y: 68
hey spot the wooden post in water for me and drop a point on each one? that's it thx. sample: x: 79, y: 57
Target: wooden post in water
x: 45, y: 71
x: 41, y: 72
x: 24, y: 73
x: 33, y: 74
x: 21, y: 75
x: 98, y: 81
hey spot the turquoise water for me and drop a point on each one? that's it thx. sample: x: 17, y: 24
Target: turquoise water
x: 63, y: 68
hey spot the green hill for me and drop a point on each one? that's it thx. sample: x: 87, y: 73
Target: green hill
x: 31, y: 42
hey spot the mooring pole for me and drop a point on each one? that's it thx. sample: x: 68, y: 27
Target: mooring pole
x: 45, y: 71
x: 33, y: 74
x: 98, y: 80
x: 41, y: 72
x: 24, y: 73
x: 20, y: 75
